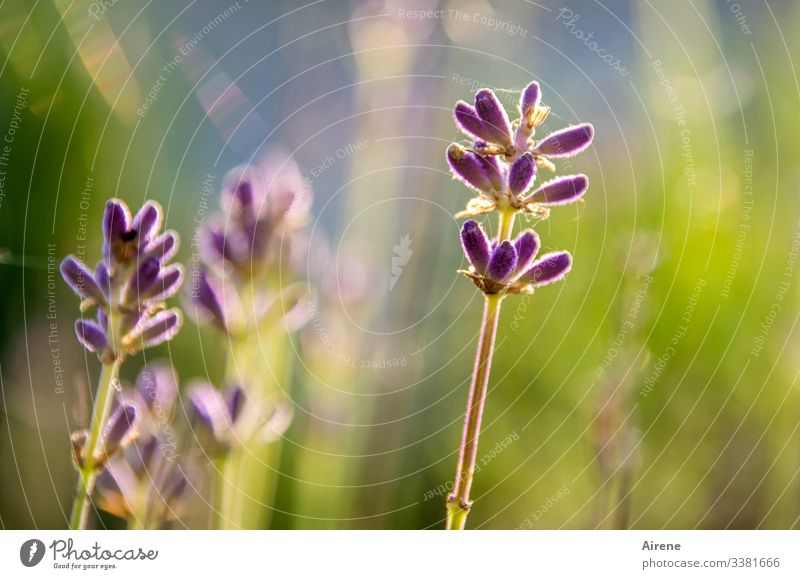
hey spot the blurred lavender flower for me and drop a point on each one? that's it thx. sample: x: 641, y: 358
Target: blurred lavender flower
x: 510, y: 266
x: 224, y: 420
x: 494, y: 137
x: 250, y: 245
x: 145, y: 482
x: 129, y: 285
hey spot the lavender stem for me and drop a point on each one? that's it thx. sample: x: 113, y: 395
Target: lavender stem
x: 88, y: 473
x: 458, y: 504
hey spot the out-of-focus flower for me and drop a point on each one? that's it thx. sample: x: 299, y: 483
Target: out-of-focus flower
x: 510, y: 266
x: 507, y: 184
x: 129, y: 286
x: 223, y: 420
x: 250, y: 245
x: 146, y: 481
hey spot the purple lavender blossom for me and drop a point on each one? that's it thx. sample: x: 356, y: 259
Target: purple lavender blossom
x: 229, y: 418
x: 143, y: 477
x: 130, y: 283
x: 264, y: 206
x: 510, y: 266
x: 494, y: 139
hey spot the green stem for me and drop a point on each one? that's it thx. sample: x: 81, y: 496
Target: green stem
x: 88, y: 472
x: 458, y: 504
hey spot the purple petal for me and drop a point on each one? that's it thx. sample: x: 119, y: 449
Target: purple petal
x: 236, y: 398
x: 468, y: 121
x: 209, y: 411
x: 469, y: 168
x: 152, y: 331
x: 162, y: 248
x: 560, y: 191
x: 521, y: 174
x: 531, y: 97
x: 116, y: 221
x: 494, y: 171
x: 81, y: 280
x: 243, y: 191
x: 142, y: 281
x: 102, y: 278
x: 166, y: 285
x: 120, y: 426
x: 566, y: 142
x: 91, y: 336
x: 494, y: 115
x: 116, y: 488
x: 206, y: 297
x: 157, y: 384
x: 550, y: 268
x: 476, y: 245
x: 148, y: 221
x: 503, y: 262
x: 527, y: 245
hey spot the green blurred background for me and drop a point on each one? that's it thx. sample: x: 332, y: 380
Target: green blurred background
x: 657, y: 387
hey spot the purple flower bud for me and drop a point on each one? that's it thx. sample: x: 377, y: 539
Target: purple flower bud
x: 157, y: 385
x: 288, y: 196
x: 102, y: 278
x: 494, y: 171
x: 142, y: 281
x: 476, y: 245
x: 116, y: 488
x: 502, y: 262
x: 531, y: 97
x: 521, y: 174
x: 116, y: 221
x: 566, y: 142
x: 235, y: 398
x: 162, y: 248
x: 527, y: 245
x: 207, y: 300
x: 469, y: 168
x: 550, y: 268
x: 81, y: 280
x: 166, y: 285
x: 243, y: 191
x: 492, y: 113
x: 147, y: 221
x: 119, y: 429
x: 468, y: 121
x: 91, y: 336
x: 210, y: 415
x: 560, y: 191
x: 152, y: 331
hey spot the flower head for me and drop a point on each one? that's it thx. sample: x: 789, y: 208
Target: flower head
x: 129, y: 285
x: 224, y: 419
x: 144, y: 478
x: 501, y: 162
x: 510, y: 266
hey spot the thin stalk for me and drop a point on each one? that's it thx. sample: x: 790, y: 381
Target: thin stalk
x: 88, y: 472
x: 458, y: 504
